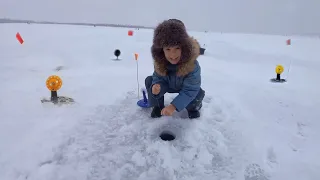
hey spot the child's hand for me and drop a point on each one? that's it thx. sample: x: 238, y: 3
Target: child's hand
x: 168, y: 110
x: 156, y: 89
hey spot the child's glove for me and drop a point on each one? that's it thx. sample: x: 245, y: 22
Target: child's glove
x: 156, y: 89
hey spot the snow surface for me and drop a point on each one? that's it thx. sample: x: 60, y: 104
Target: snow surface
x: 250, y: 129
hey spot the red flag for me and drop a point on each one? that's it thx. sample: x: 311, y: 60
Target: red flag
x: 289, y: 42
x: 19, y: 38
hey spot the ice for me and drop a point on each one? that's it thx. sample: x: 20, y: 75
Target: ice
x: 250, y: 128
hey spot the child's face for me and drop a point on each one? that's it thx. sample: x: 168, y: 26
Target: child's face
x: 173, y: 54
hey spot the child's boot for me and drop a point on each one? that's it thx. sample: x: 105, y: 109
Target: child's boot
x: 194, y: 113
x: 156, y: 111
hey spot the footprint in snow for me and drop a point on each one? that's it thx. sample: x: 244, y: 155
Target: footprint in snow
x: 255, y: 172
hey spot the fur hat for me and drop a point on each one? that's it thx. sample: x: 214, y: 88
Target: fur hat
x: 171, y: 32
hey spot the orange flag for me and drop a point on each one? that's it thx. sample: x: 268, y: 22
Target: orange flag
x: 136, y: 56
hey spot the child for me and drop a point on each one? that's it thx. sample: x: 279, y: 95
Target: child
x: 176, y: 70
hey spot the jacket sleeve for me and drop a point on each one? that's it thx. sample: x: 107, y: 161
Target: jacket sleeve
x: 190, y: 88
x: 162, y: 80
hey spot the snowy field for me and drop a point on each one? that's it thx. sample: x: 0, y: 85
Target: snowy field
x: 250, y: 129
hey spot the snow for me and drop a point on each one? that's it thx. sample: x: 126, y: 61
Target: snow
x: 250, y: 128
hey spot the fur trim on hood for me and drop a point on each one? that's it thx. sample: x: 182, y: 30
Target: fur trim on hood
x: 172, y: 32
x: 190, y: 53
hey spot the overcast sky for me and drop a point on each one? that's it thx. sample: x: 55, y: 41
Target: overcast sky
x: 257, y: 16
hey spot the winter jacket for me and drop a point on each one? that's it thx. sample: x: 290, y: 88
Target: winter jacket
x: 184, y: 78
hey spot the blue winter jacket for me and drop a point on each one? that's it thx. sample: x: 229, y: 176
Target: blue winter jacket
x: 187, y: 85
